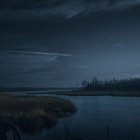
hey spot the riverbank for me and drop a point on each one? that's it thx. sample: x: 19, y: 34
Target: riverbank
x: 32, y: 114
x: 101, y: 93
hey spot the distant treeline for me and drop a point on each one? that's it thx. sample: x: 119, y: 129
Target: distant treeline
x: 123, y: 84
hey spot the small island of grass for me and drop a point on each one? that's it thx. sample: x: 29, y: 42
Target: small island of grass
x: 32, y: 114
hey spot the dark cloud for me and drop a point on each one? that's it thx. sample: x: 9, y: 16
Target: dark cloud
x: 59, y: 8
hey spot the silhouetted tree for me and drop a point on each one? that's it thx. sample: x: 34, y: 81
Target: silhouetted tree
x: 124, y: 84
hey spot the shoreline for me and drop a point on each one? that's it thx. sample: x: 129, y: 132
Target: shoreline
x: 101, y: 93
x: 129, y: 93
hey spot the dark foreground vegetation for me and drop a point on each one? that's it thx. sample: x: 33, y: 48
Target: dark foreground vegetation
x: 124, y: 87
x: 111, y: 85
x: 32, y: 114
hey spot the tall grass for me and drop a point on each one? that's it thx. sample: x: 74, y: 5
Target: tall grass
x: 32, y: 114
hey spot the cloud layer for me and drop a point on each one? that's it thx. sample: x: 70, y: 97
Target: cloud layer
x: 28, y: 62
x: 59, y: 8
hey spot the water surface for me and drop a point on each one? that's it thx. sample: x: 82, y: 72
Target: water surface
x: 121, y: 115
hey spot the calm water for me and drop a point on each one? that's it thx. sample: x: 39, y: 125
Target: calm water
x: 121, y: 114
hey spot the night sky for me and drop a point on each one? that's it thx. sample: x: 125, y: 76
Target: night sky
x: 58, y: 43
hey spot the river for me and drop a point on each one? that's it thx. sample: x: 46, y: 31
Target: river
x: 97, y: 118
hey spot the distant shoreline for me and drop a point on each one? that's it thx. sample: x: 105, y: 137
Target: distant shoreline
x: 101, y: 93
x: 23, y: 89
x: 73, y: 92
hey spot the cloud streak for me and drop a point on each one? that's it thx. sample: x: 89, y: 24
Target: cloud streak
x: 39, y: 53
x: 29, y: 62
x: 22, y: 61
x: 29, y: 56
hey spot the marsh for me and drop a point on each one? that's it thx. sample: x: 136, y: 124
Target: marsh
x: 94, y: 114
x: 32, y: 114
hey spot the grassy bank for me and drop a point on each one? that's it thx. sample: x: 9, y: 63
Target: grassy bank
x: 131, y: 93
x: 32, y: 114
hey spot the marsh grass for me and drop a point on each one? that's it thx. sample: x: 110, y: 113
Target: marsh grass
x: 32, y: 114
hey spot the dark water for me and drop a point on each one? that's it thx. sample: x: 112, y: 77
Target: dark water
x: 120, y: 114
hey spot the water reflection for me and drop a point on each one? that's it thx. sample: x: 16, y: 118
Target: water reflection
x: 94, y: 115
